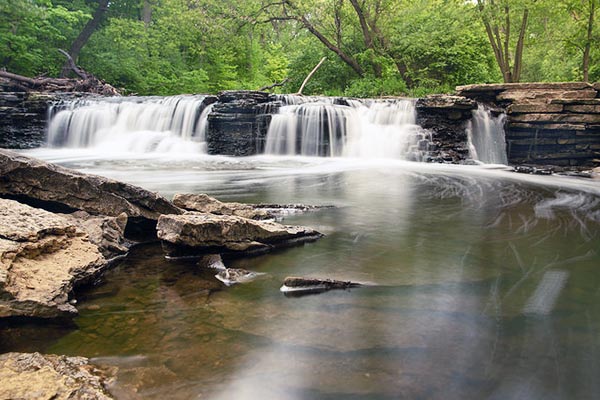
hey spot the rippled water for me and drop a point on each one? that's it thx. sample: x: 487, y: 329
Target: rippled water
x: 486, y: 285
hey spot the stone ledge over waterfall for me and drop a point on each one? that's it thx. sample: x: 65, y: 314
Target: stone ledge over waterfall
x: 23, y: 118
x: 547, y: 123
x: 238, y: 123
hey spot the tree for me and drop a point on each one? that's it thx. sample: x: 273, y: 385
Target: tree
x: 583, y: 15
x: 497, y: 17
x: 85, y: 34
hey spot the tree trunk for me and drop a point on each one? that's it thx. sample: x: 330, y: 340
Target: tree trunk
x: 588, y: 43
x: 345, y: 57
x: 367, y: 36
x: 310, y: 75
x: 519, y: 52
x: 85, y: 34
x: 147, y: 13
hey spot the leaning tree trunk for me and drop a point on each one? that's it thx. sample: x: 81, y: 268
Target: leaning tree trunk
x: 85, y: 34
x: 588, y: 43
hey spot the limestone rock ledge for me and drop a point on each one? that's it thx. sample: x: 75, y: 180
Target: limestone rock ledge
x: 38, y: 181
x: 42, y: 256
x: 37, y: 376
x: 206, y: 204
x: 193, y: 233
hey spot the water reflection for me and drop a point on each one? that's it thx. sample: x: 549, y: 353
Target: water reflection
x: 486, y: 287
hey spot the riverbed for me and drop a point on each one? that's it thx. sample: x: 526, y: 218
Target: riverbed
x: 482, y: 283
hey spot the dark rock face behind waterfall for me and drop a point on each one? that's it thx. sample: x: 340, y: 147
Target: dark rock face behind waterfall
x: 23, y: 119
x: 238, y: 123
x: 445, y: 117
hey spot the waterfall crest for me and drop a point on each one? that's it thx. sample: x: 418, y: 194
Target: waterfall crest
x: 363, y: 129
x: 486, y: 138
x: 131, y: 124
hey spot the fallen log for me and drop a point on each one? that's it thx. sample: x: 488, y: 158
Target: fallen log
x: 91, y: 84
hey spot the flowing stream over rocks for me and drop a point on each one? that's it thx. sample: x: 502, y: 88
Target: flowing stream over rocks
x: 480, y: 283
x: 477, y: 282
x: 174, y: 124
x: 486, y: 137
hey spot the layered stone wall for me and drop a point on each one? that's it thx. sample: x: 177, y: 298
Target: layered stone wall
x: 23, y: 119
x: 238, y: 123
x: 547, y: 123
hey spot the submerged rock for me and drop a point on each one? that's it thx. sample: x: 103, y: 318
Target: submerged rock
x: 42, y: 256
x: 299, y: 286
x: 37, y: 376
x: 191, y: 233
x: 56, y: 188
x: 206, y: 204
x: 231, y: 276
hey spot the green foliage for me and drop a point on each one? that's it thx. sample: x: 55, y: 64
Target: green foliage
x: 194, y: 46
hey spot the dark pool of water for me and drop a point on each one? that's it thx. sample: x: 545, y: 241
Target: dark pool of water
x: 486, y: 285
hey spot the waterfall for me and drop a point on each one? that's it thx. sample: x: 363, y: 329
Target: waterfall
x: 309, y: 129
x: 486, y: 137
x: 131, y: 124
x: 369, y: 129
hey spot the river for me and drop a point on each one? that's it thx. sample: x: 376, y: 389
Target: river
x: 483, y: 284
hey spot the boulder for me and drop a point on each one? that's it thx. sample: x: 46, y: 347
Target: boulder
x: 108, y: 233
x: 53, y: 187
x: 42, y: 256
x: 37, y: 376
x: 206, y: 204
x: 192, y: 233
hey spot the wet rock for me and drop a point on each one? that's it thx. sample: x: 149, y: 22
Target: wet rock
x: 56, y: 188
x: 206, y: 204
x: 42, y: 256
x: 238, y: 123
x: 595, y: 174
x: 192, y: 233
x: 534, y: 170
x: 108, y: 233
x: 37, y: 376
x: 445, y: 117
x: 295, y: 286
x: 232, y: 276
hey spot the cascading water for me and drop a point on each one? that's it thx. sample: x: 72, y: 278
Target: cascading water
x: 309, y: 129
x: 486, y: 137
x: 374, y: 129
x: 131, y: 124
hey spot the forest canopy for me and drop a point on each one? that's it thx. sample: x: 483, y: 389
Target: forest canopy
x: 373, y: 47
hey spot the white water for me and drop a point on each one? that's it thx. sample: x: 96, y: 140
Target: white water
x: 486, y: 137
x: 174, y: 124
x: 374, y: 129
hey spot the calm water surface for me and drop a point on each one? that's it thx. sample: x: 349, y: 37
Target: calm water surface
x: 486, y: 285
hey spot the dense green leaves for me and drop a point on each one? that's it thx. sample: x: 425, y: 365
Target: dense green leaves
x: 373, y: 47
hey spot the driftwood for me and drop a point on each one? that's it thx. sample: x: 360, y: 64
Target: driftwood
x: 87, y: 82
x: 310, y: 75
x: 276, y: 84
x: 78, y: 71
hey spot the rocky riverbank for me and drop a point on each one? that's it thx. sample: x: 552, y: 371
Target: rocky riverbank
x: 60, y: 229
x: 37, y: 376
